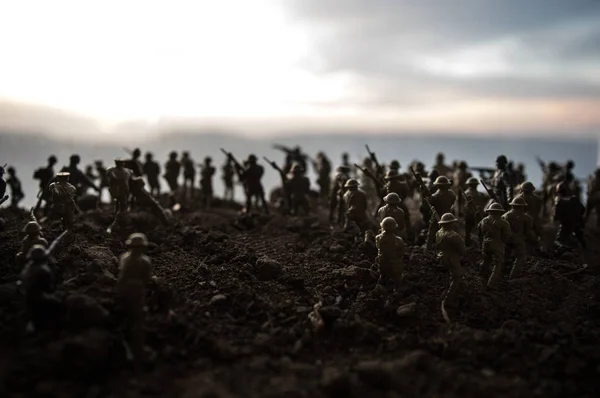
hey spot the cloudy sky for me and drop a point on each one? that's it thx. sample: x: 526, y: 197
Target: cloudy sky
x: 478, y: 66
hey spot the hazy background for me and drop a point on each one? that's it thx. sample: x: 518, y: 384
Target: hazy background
x: 497, y: 76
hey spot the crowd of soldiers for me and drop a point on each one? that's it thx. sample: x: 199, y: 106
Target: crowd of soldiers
x: 371, y: 201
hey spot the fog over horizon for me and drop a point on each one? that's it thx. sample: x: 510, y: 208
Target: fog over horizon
x: 111, y: 69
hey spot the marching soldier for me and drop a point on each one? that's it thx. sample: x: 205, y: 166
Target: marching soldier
x: 451, y: 249
x: 442, y: 201
x: 494, y: 233
x: 172, y: 171
x: 16, y: 190
x: 569, y: 213
x: 521, y: 228
x: 390, y: 248
x: 45, y: 175
x: 206, y: 185
x: 323, y: 169
x: 336, y: 201
x: 119, y: 178
x: 62, y: 197
x: 228, y: 172
x: 392, y: 209
x: 502, y: 183
x: 474, y: 207
x: 152, y: 172
x: 189, y: 174
x: 534, y: 208
x: 355, y: 201
x: 298, y: 186
x: 77, y: 178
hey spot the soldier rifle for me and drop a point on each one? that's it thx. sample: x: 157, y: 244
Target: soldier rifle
x: 374, y: 159
x: 481, y: 170
x: 284, y: 184
x: 425, y: 194
x: 4, y: 199
x: 490, y: 193
x: 370, y: 175
x: 238, y: 167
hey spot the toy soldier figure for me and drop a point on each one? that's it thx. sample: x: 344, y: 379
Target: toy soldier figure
x: 520, y: 172
x: 298, y: 186
x: 395, y: 166
x: 396, y: 183
x: 521, y: 228
x: 442, y: 169
x: 3, y: 195
x: 336, y: 201
x: 34, y: 237
x: 45, y: 175
x: 228, y: 172
x: 390, y: 249
x: 442, y: 201
x: 77, y: 177
x: 534, y: 207
x: 144, y: 199
x: 39, y: 284
x: 189, y: 174
x: 134, y: 275
x: 451, y: 249
x: 368, y: 184
x: 323, y: 168
x: 501, y: 182
x: 474, y: 207
x: 101, y: 170
x: 494, y: 233
x: 569, y: 213
x: 134, y: 164
x: 206, y: 185
x: 172, y: 170
x: 62, y: 196
x: 152, y: 171
x: 392, y: 209
x: 16, y: 192
x: 346, y: 160
x: 593, y: 197
x: 251, y: 175
x: 461, y: 175
x: 355, y: 201
x: 118, y: 185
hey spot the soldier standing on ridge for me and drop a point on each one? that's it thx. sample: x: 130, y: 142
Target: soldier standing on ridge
x: 494, y: 233
x: 45, y: 175
x: 228, y: 172
x: 189, y: 175
x: 172, y: 171
x: 206, y: 184
x: 152, y: 172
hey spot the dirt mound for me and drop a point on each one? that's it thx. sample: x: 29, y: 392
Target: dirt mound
x: 229, y: 313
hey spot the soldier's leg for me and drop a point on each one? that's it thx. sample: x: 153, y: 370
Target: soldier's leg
x: 332, y: 207
x: 469, y: 224
x: 517, y: 269
x: 68, y: 219
x: 497, y: 258
x: 456, y: 281
x: 433, y: 228
x: 263, y: 200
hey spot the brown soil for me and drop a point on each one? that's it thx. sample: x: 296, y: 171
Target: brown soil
x: 224, y: 321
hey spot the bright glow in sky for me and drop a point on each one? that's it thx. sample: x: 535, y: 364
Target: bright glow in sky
x: 143, y: 59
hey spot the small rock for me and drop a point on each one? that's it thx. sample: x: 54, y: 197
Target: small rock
x: 216, y: 299
x: 337, y: 248
x: 84, y: 311
x: 353, y: 272
x: 406, y: 310
x: 267, y: 269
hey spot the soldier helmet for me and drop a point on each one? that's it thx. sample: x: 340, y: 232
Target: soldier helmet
x: 472, y: 181
x: 447, y: 219
x: 527, y: 186
x: 495, y: 207
x: 137, y: 240
x: 252, y: 158
x: 119, y: 161
x: 52, y: 159
x: 392, y: 198
x: 440, y: 156
x: 136, y: 153
x: 394, y: 165
x: 563, y: 188
x: 207, y: 160
x: 63, y: 175
x: 501, y: 159
x: 570, y: 164
x: 345, y: 155
x: 553, y: 166
x: 518, y: 202
x: 138, y: 181
x: 343, y: 169
x: 11, y: 170
x: 75, y: 159
x: 388, y: 224
x: 98, y: 162
x: 368, y: 162
x: 149, y: 156
x: 37, y: 252
x: 351, y: 183
x: 32, y: 227
x: 441, y: 180
x: 173, y: 155
x: 462, y: 165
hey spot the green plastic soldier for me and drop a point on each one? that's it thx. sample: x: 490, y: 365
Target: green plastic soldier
x: 228, y: 172
x: 34, y: 237
x: 442, y: 201
x: 392, y: 209
x: 534, y: 208
x: 390, y: 248
x: 521, y: 228
x: 62, y: 197
x: 474, y: 207
x: 206, y: 184
x: 152, y: 172
x: 396, y: 183
x: 451, y: 249
x: 298, y: 187
x: 144, y: 199
x: 494, y: 233
x: 336, y: 201
x: 119, y: 178
x: 134, y: 275
x: 355, y: 201
x: 368, y: 184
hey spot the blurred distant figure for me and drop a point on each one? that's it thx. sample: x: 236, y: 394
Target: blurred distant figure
x: 189, y: 174
x: 103, y: 178
x: 569, y: 213
x: 228, y: 175
x: 135, y: 164
x: 520, y: 172
x: 501, y: 183
x: 77, y: 178
x: 152, y: 171
x: 15, y: 188
x: 441, y: 167
x: 3, y: 195
x: 292, y: 156
x: 346, y: 163
x: 89, y: 173
x: 323, y: 168
x: 172, y: 170
x: 206, y: 185
x: 45, y: 175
